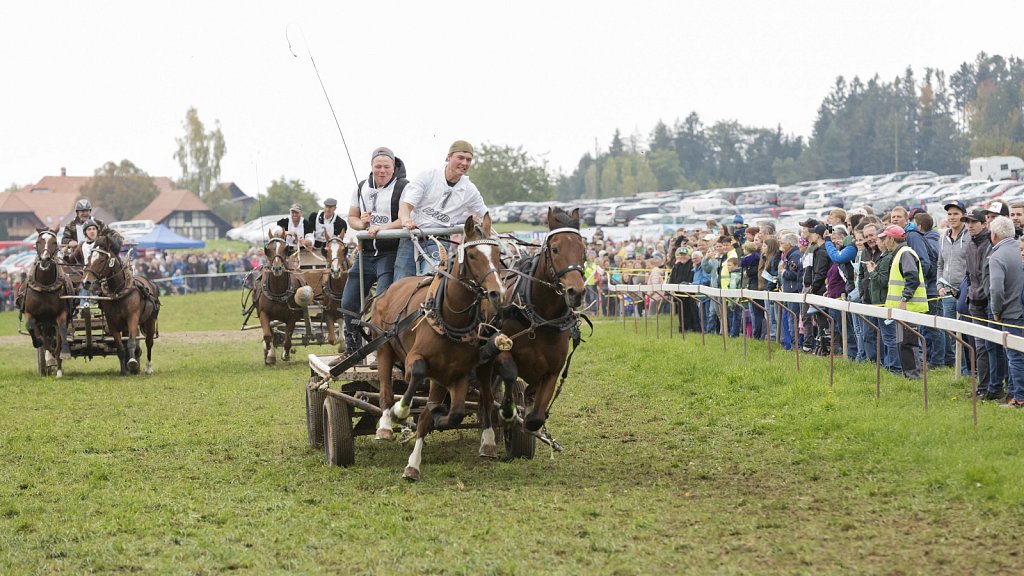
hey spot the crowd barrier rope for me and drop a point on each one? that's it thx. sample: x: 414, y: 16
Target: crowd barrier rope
x: 911, y: 321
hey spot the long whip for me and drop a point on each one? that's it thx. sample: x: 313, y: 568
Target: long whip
x: 329, y: 104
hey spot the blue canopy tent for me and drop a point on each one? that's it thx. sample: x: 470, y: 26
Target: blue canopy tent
x: 163, y: 238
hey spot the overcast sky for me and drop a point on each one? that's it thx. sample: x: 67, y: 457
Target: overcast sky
x: 90, y: 82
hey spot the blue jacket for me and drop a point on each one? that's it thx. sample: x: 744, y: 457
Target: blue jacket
x: 792, y: 273
x: 847, y: 254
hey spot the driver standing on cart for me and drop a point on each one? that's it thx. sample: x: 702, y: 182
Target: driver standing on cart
x: 438, y: 198
x: 326, y: 224
x: 374, y: 207
x: 297, y: 230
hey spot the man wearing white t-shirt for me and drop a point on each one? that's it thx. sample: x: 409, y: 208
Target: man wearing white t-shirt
x: 437, y: 198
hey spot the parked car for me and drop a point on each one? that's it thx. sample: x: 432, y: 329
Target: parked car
x: 255, y: 230
x: 625, y: 213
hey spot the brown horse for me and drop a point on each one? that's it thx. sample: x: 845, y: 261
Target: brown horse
x: 444, y: 347
x: 274, y: 295
x: 47, y: 313
x: 132, y: 303
x: 543, y: 300
x: 333, y: 285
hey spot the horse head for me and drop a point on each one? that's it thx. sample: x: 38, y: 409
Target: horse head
x: 337, y: 256
x: 564, y: 254
x: 276, y: 250
x: 102, y: 261
x: 46, y: 247
x: 479, y: 261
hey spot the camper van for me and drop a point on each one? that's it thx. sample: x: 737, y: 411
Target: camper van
x: 997, y: 168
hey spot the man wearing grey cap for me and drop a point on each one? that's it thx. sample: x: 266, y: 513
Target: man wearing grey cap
x: 374, y: 207
x: 438, y: 198
x: 326, y: 224
x: 297, y: 231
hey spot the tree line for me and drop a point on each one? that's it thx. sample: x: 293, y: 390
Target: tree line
x: 932, y: 122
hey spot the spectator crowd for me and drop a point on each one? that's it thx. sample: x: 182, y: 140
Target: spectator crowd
x: 969, y: 265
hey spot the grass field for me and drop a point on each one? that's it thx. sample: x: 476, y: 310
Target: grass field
x: 679, y: 459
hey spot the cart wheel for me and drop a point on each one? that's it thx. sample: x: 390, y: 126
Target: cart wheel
x: 339, y: 446
x: 41, y: 367
x: 518, y: 442
x: 315, y: 418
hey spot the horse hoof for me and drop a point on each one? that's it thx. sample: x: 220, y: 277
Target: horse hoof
x: 60, y: 373
x: 489, y: 451
x: 411, y: 474
x: 133, y: 366
x: 270, y: 360
x: 65, y: 355
x: 385, y: 435
x: 287, y: 356
x: 149, y: 371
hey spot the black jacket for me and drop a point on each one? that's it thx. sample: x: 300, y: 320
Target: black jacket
x: 791, y: 271
x: 819, y: 270
x: 977, y: 268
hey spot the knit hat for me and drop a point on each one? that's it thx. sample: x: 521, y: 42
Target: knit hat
x: 460, y: 146
x: 383, y: 151
x: 737, y: 219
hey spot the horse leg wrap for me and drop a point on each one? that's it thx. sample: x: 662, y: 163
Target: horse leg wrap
x: 400, y: 410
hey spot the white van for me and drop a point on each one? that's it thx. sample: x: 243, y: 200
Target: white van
x: 704, y: 205
x: 997, y: 168
x: 133, y: 228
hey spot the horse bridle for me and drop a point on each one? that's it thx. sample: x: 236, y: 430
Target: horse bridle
x: 112, y: 260
x: 340, y: 257
x: 46, y: 259
x: 276, y: 255
x: 556, y: 285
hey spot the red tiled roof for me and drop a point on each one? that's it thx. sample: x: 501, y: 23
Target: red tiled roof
x: 171, y: 201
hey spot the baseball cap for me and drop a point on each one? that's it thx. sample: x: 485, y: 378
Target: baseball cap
x: 958, y: 204
x: 296, y: 207
x: 976, y: 215
x: 709, y: 237
x: 914, y: 212
x: 892, y: 231
x: 998, y: 208
x: 682, y: 250
x: 330, y: 202
x: 819, y: 230
x: 809, y: 223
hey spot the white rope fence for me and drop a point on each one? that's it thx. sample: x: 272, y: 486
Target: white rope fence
x: 788, y: 299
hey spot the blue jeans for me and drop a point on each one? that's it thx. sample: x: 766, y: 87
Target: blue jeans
x: 379, y: 268
x: 996, y: 362
x: 734, y: 314
x: 870, y: 348
x: 1015, y: 360
x: 947, y: 309
x: 890, y: 349
x: 786, y: 324
x: 934, y: 338
x: 773, y: 321
x: 757, y: 320
x: 712, y: 322
x: 981, y: 351
x: 406, y: 262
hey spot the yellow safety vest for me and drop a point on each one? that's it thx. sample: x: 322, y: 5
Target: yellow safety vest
x: 919, y: 303
x: 723, y: 279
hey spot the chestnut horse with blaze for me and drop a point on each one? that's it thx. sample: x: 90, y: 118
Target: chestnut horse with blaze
x: 543, y: 299
x: 132, y: 303
x: 47, y: 313
x: 273, y: 295
x: 444, y: 346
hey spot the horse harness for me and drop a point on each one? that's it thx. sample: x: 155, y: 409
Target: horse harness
x: 129, y: 282
x: 432, y: 306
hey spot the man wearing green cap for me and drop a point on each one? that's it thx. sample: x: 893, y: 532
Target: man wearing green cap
x: 438, y: 198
